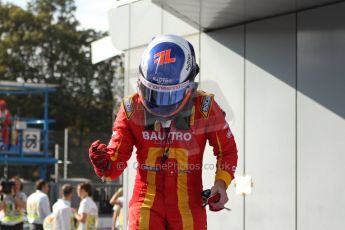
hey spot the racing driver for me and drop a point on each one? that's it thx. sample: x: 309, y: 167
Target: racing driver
x: 168, y: 121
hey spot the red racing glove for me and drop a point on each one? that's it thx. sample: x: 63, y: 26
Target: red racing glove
x: 214, y: 199
x: 210, y: 200
x: 99, y: 158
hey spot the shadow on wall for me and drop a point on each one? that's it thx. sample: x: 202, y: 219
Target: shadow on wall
x: 214, y: 85
x: 316, y: 55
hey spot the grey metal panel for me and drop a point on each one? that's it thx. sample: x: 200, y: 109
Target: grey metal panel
x: 270, y: 123
x: 309, y: 3
x: 321, y: 123
x: 145, y: 22
x: 214, y: 14
x: 222, y: 73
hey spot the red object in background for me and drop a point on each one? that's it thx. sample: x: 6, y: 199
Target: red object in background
x: 5, y: 121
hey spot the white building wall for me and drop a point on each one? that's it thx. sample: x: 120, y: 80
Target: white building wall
x: 145, y: 22
x: 321, y: 123
x: 270, y: 116
x: 282, y: 87
x: 173, y: 25
x: 222, y: 73
x: 119, y: 23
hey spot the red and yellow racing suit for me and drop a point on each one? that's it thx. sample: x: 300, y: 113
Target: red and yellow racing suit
x: 167, y: 194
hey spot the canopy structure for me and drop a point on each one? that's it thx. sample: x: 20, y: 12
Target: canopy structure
x: 12, y: 87
x: 29, y: 146
x: 216, y: 14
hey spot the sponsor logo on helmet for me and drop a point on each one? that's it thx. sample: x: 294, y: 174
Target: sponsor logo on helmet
x: 163, y: 57
x: 162, y: 80
x: 162, y: 136
x: 206, y: 105
x: 158, y: 87
x: 189, y: 62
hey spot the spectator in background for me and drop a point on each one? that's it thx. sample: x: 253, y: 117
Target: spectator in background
x: 38, y: 206
x: 18, y: 187
x: 5, y: 122
x: 11, y: 217
x: 117, y: 201
x: 62, y: 217
x: 87, y: 215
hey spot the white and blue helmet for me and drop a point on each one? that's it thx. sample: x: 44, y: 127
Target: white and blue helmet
x: 166, y: 75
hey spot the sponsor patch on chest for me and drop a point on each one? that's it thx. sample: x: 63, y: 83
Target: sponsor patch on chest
x: 162, y: 136
x: 128, y: 107
x: 206, y: 104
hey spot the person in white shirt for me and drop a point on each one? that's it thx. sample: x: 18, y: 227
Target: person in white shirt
x: 11, y: 217
x: 87, y: 215
x: 62, y: 217
x: 38, y: 206
x: 117, y: 202
x: 118, y: 218
x: 18, y: 188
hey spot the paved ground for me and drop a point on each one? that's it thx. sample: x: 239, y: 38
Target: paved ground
x: 103, y: 224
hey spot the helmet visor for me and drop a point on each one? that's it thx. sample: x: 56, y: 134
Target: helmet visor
x: 162, y: 95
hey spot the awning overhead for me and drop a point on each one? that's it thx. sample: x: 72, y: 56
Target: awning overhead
x: 215, y: 14
x: 14, y: 87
